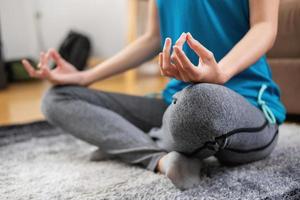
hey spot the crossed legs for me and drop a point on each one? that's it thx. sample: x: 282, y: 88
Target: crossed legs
x: 203, y: 120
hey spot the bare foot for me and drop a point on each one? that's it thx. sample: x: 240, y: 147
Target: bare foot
x: 182, y: 171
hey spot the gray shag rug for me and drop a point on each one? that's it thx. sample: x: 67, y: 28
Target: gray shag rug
x: 38, y: 161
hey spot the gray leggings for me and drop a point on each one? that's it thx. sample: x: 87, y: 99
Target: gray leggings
x: 203, y: 120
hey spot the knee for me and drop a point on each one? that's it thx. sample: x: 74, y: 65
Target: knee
x: 196, y: 112
x: 51, y: 101
x: 202, y: 96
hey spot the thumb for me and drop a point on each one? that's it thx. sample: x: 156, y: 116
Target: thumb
x: 198, y: 48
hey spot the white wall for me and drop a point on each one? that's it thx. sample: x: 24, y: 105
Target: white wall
x: 17, y: 28
x: 104, y: 21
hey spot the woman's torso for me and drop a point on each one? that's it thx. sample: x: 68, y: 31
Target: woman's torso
x: 218, y: 25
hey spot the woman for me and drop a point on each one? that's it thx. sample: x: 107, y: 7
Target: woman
x: 221, y: 100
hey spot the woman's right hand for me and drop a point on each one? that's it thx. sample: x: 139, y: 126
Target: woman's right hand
x: 64, y: 73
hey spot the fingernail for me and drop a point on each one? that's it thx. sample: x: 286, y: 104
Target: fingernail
x: 167, y: 39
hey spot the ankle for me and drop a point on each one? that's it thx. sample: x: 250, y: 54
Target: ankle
x: 159, y: 167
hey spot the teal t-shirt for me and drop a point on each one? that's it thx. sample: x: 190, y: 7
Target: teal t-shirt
x: 219, y: 25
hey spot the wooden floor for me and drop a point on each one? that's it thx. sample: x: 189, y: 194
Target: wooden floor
x: 20, y: 102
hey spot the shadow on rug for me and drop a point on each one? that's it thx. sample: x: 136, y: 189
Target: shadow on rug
x: 39, y: 161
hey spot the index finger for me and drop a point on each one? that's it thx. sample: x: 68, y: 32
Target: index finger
x: 56, y: 56
x: 199, y: 49
x: 181, y: 40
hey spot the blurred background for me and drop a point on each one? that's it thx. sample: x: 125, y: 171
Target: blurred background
x: 96, y: 28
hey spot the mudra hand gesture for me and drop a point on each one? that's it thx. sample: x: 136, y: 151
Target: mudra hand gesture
x: 180, y: 67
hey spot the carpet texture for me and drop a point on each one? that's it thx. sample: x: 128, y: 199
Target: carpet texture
x: 38, y: 161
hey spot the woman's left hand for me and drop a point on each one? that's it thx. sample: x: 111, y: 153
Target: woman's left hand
x: 180, y: 67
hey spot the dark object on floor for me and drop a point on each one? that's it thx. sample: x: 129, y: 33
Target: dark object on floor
x: 39, y: 161
x: 76, y: 49
x: 16, y: 71
x: 293, y: 118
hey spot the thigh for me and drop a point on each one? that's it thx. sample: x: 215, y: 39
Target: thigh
x: 143, y: 112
